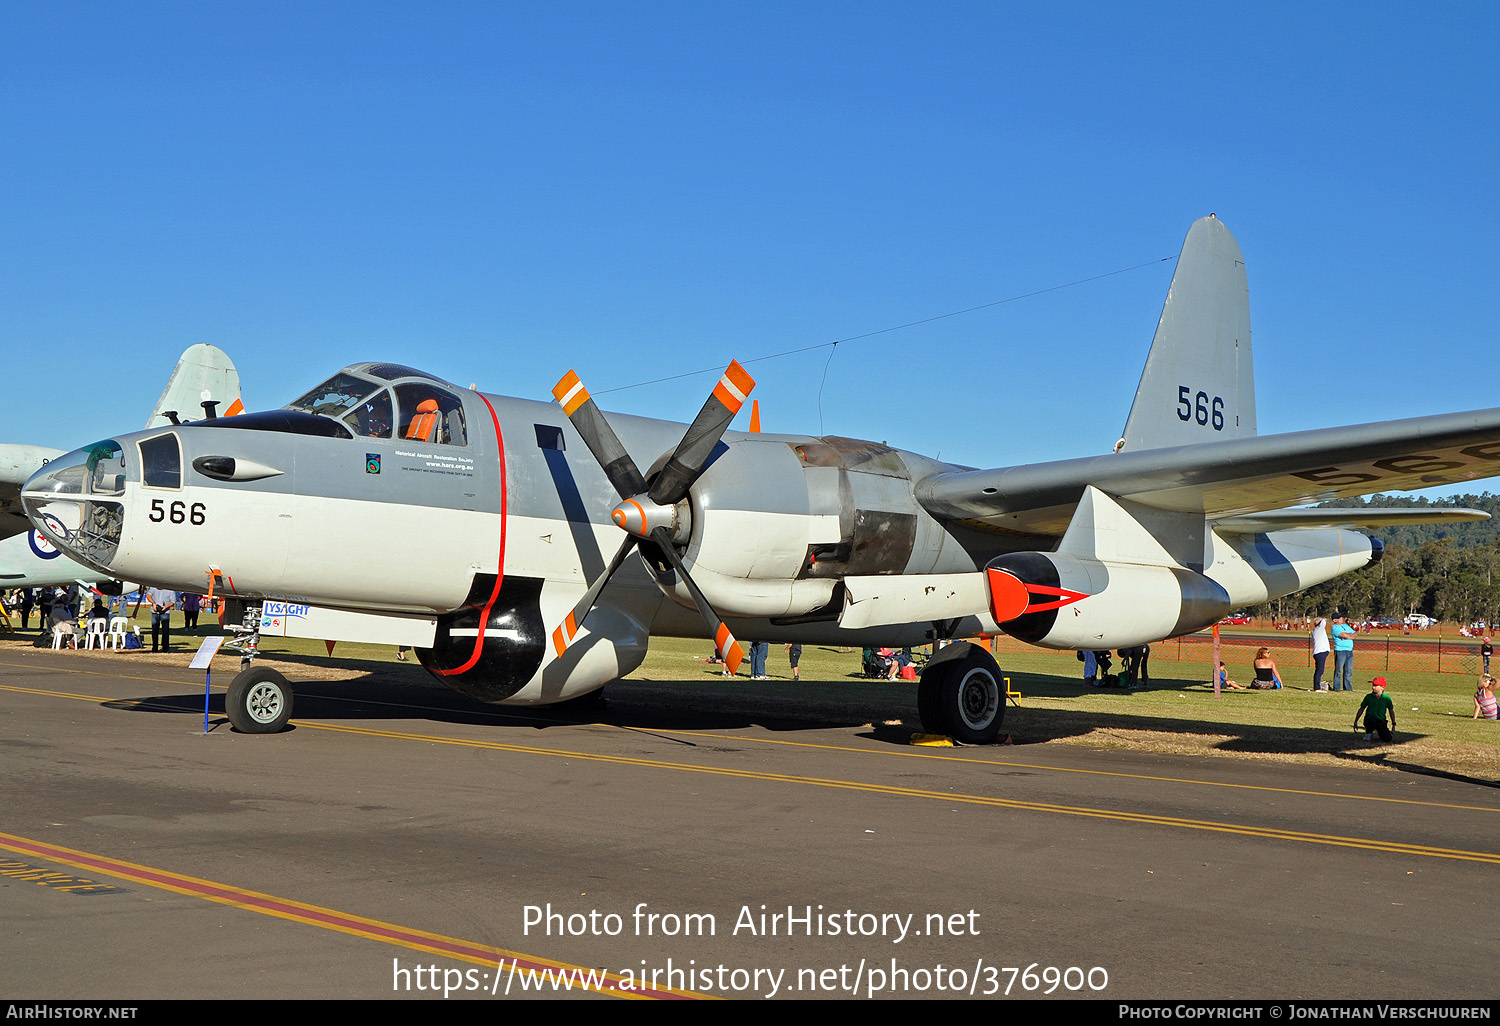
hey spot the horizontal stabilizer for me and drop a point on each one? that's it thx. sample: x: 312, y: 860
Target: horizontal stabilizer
x: 1327, y: 516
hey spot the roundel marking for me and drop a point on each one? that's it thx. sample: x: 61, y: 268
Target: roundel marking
x: 43, y: 548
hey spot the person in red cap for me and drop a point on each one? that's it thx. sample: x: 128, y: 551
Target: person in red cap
x: 1376, y: 706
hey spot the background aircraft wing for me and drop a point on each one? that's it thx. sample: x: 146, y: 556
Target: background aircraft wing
x: 1231, y: 478
x: 17, y: 463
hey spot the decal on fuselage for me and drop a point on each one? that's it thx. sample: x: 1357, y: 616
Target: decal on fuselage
x: 43, y: 548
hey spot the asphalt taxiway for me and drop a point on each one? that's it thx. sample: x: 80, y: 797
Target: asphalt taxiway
x: 706, y: 837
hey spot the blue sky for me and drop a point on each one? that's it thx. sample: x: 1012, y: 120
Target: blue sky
x: 499, y: 192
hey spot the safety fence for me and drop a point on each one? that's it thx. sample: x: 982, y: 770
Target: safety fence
x: 1371, y: 654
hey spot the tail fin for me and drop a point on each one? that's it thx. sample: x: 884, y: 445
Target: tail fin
x: 1199, y: 381
x: 204, y: 373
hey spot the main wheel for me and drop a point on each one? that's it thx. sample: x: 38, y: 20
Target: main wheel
x: 963, y: 698
x: 259, y: 701
x: 930, y: 699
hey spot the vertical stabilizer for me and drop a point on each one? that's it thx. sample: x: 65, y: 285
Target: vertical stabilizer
x: 204, y: 372
x: 1199, y: 381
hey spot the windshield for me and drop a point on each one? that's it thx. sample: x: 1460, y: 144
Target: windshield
x: 334, y: 397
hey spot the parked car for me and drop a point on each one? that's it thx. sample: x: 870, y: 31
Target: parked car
x: 1420, y: 620
x: 1235, y: 620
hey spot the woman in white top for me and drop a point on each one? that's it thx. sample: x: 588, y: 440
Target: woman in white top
x: 1319, y: 652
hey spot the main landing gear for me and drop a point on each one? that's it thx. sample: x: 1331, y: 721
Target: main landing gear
x: 259, y: 700
x: 962, y: 695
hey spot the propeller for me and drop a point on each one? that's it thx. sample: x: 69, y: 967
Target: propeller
x: 653, y: 514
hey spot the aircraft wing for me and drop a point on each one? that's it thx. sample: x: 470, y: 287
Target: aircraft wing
x: 17, y: 463
x: 1231, y: 478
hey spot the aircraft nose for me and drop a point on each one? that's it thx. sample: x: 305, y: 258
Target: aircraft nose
x: 76, y: 502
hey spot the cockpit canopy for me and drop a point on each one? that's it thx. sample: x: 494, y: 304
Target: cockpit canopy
x: 370, y: 400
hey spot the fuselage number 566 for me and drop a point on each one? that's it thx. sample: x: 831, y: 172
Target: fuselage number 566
x: 177, y: 512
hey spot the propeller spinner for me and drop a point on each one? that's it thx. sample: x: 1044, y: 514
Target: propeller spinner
x: 653, y: 514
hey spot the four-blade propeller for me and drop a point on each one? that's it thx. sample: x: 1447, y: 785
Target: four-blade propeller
x: 652, y: 512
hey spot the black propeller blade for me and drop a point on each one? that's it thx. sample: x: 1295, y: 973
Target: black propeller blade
x: 599, y: 436
x: 697, y: 444
x: 652, y: 515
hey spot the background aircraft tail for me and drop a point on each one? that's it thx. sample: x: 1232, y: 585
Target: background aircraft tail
x: 204, y: 372
x: 1199, y: 381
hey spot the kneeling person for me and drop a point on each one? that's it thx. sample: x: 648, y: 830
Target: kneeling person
x: 1377, y: 705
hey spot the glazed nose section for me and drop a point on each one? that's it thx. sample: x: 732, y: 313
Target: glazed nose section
x: 76, y: 502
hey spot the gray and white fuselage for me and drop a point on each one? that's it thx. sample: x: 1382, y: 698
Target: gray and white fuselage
x: 493, y: 519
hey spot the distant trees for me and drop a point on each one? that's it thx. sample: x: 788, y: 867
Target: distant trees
x: 1448, y: 571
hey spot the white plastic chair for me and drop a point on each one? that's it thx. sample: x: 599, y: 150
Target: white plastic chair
x: 59, y: 634
x: 95, y: 634
x: 116, y: 638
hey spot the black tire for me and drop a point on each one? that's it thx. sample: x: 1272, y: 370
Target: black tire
x: 930, y: 699
x: 259, y: 701
x: 975, y: 703
x: 964, y: 698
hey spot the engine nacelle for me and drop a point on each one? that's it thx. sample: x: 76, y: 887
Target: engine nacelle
x: 778, y: 521
x: 1057, y: 600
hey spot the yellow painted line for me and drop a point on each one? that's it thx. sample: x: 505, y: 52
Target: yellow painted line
x: 742, y: 738
x: 612, y: 984
x: 979, y: 761
x: 1396, y: 847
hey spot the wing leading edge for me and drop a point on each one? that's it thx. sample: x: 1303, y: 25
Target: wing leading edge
x: 1231, y: 478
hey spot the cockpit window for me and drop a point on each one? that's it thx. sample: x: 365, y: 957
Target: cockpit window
x: 106, y: 468
x: 334, y: 397
x: 372, y: 418
x: 430, y: 414
x: 161, y: 462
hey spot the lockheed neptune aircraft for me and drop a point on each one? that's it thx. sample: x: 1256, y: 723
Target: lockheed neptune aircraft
x: 530, y: 550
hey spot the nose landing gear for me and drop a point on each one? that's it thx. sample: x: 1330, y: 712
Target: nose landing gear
x: 259, y: 700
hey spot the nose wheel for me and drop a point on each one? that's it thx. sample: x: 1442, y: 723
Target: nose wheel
x: 259, y: 701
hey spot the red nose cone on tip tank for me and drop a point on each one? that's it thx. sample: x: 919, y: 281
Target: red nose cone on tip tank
x: 1008, y: 596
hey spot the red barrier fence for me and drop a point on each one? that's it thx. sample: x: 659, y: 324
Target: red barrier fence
x: 1371, y: 654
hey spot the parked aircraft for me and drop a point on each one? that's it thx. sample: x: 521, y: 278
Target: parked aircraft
x: 204, y: 374
x: 530, y: 550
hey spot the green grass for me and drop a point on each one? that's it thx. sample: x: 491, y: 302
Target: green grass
x: 1177, y: 714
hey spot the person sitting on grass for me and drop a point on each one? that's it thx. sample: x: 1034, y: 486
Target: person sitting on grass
x: 1225, y: 682
x: 1484, y: 699
x: 1377, y: 706
x: 1266, y: 677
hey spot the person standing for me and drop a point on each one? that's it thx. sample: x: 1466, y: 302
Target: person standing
x: 1320, y: 649
x: 1485, y: 651
x: 190, y: 606
x: 1343, y: 654
x: 758, y: 660
x: 28, y: 600
x: 163, y: 601
x: 794, y: 656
